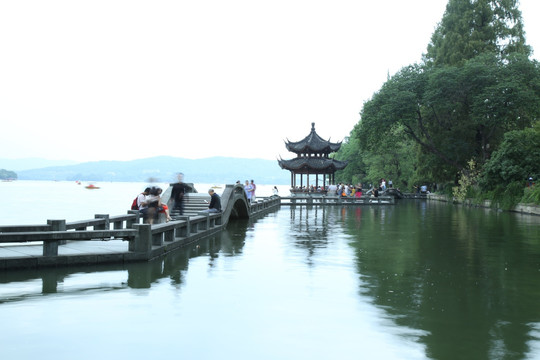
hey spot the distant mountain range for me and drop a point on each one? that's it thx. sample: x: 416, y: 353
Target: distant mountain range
x: 32, y: 163
x: 218, y: 170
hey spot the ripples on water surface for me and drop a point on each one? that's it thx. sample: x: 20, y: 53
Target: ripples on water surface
x: 413, y: 281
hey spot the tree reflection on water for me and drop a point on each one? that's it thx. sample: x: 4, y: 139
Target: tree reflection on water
x: 467, y: 277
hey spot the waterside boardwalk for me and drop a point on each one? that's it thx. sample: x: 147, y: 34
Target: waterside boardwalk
x: 123, y: 238
x: 120, y: 239
x: 387, y: 197
x: 337, y: 200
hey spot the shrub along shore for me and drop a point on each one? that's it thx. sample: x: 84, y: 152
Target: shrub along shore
x: 530, y: 209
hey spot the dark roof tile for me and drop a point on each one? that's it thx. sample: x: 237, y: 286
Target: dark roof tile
x: 312, y: 143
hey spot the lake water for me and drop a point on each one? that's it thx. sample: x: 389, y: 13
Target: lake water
x: 34, y: 202
x: 417, y: 280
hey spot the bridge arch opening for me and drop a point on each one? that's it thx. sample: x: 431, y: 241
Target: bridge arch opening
x: 239, y: 210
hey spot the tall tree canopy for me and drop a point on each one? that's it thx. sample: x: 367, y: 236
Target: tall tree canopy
x: 472, y: 27
x: 455, y: 112
x: 476, y: 83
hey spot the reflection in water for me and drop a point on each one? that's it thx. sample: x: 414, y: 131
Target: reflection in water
x: 80, y: 279
x: 469, y: 279
x: 410, y: 281
x: 309, y: 229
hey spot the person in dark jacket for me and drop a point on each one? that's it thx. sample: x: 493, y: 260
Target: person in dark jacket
x: 179, y: 190
x: 215, y: 202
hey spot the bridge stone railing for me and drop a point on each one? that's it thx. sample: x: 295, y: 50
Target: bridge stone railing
x: 145, y: 241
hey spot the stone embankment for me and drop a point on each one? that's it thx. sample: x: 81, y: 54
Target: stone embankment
x: 529, y: 209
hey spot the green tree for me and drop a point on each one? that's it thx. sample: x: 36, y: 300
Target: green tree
x: 355, y: 172
x: 517, y: 159
x: 391, y: 160
x: 473, y: 27
x: 455, y: 113
x: 475, y: 84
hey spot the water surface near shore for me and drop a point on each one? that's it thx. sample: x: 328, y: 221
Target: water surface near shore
x: 417, y: 280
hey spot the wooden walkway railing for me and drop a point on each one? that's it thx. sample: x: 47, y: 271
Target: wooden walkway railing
x: 145, y: 241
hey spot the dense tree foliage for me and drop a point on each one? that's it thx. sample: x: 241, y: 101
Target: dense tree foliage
x: 391, y: 160
x: 470, y: 28
x: 454, y: 112
x: 515, y: 160
x: 431, y: 120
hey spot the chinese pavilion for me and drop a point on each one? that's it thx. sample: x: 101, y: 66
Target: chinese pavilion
x: 312, y: 159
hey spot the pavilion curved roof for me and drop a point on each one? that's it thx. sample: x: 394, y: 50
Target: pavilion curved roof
x: 312, y: 165
x: 312, y: 143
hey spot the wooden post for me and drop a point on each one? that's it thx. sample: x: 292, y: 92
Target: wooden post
x: 157, y: 239
x: 129, y: 225
x: 106, y: 225
x: 186, y: 230
x: 168, y: 236
x: 50, y: 248
x: 206, y: 225
x: 143, y: 239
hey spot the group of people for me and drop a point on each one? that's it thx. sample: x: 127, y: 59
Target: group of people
x: 311, y: 188
x: 249, y: 188
x: 178, y: 193
x: 150, y: 205
x: 421, y: 189
x: 345, y: 190
x: 383, y: 185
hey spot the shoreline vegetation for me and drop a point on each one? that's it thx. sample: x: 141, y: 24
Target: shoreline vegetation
x: 6, y: 175
x: 465, y: 120
x: 523, y: 208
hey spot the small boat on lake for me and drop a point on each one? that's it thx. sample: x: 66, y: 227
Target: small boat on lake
x: 92, y: 186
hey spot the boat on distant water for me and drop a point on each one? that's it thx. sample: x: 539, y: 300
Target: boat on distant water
x: 92, y: 186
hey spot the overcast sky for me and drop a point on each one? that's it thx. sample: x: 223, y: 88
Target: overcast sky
x: 121, y: 80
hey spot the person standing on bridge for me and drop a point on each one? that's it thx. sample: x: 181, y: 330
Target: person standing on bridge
x: 215, y: 202
x: 253, y: 188
x: 178, y: 192
x: 247, y: 189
